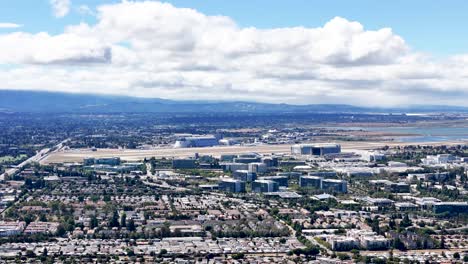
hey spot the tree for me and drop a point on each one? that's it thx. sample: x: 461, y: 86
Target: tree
x: 376, y: 225
x: 456, y: 255
x: 343, y: 256
x: 131, y: 225
x: 406, y: 222
x: 123, y: 220
x: 93, y: 222
x: 114, y: 222
x: 392, y: 224
x: 162, y: 252
x: 61, y: 230
x: 442, y: 243
x: 42, y: 218
x: 238, y: 256
x: 398, y: 244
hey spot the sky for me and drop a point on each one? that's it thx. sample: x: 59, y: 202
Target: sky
x: 364, y: 52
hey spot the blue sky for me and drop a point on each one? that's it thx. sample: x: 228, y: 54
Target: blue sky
x: 438, y: 27
x: 361, y: 52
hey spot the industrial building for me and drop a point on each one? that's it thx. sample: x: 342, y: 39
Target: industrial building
x: 248, y: 158
x: 315, y: 149
x: 262, y: 186
x: 196, y: 142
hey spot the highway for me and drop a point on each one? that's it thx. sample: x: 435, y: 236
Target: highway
x: 41, y: 155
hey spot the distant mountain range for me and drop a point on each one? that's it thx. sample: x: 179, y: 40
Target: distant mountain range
x: 56, y: 102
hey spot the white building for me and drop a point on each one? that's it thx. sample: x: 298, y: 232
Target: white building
x: 11, y: 228
x: 316, y: 149
x: 196, y: 141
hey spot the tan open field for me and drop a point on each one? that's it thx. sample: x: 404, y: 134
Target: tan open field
x: 77, y: 155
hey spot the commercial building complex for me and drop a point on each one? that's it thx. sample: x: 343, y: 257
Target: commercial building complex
x: 232, y: 185
x: 261, y: 186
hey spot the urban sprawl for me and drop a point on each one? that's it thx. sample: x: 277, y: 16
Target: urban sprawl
x: 312, y: 201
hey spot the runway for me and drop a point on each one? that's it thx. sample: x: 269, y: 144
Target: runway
x: 77, y: 155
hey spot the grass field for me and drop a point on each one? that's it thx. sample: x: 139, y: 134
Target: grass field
x: 11, y: 159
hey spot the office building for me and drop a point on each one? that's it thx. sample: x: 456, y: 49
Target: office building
x: 334, y: 185
x: 281, y: 180
x: 323, y: 174
x: 232, y: 166
x: 257, y: 167
x: 184, y: 164
x: 310, y: 182
x: 451, y: 207
x: 244, y: 175
x: 261, y: 186
x: 231, y: 185
x: 270, y: 161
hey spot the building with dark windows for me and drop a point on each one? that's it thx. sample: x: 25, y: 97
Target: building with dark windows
x: 244, y: 175
x: 231, y: 185
x: 310, y: 182
x: 184, y: 164
x: 334, y: 185
x: 281, y: 180
x: 262, y: 186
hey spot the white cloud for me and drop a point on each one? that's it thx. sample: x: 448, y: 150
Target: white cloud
x: 154, y: 49
x: 60, y: 8
x: 41, y: 48
x: 85, y: 10
x: 9, y: 25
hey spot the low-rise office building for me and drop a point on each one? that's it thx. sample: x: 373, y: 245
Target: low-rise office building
x: 281, y: 180
x: 262, y: 186
x: 244, y: 175
x: 184, y: 164
x: 231, y: 185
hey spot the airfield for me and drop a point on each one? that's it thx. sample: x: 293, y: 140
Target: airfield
x: 77, y: 155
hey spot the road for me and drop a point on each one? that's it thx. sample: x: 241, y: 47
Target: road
x: 40, y: 156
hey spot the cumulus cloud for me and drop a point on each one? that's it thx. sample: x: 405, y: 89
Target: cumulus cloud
x: 41, y: 48
x: 9, y: 25
x: 60, y: 8
x: 155, y: 49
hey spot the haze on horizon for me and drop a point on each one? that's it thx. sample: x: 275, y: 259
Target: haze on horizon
x: 164, y: 50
